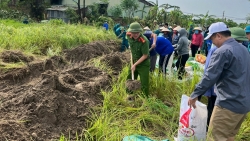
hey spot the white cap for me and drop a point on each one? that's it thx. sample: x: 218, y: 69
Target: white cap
x: 215, y: 28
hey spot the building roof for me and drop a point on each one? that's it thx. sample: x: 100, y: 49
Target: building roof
x: 146, y: 2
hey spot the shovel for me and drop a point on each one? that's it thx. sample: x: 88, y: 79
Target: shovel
x: 133, y: 85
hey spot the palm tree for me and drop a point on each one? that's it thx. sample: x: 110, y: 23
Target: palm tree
x: 204, y: 18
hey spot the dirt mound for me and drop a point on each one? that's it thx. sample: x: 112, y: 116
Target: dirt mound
x: 89, y: 51
x: 47, y: 98
x: 116, y: 60
x: 133, y: 85
x: 15, y: 56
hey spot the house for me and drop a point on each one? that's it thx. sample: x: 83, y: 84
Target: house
x: 57, y: 12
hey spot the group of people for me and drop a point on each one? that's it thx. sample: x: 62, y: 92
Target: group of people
x: 226, y: 76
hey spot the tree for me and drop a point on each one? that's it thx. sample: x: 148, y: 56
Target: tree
x: 248, y: 18
x: 204, y: 18
x: 129, y: 6
x: 142, y: 10
x: 115, y: 11
x: 78, y: 2
x: 230, y: 23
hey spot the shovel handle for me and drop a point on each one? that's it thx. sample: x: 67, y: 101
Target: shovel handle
x: 131, y: 61
x: 133, y: 77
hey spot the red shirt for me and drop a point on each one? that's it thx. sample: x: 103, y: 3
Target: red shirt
x: 197, y: 39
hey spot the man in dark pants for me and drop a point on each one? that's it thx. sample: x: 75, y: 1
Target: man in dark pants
x: 211, y: 94
x: 182, y: 49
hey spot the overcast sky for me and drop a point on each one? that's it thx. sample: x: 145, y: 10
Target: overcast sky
x: 236, y: 10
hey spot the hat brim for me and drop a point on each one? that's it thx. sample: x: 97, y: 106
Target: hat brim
x: 130, y: 30
x: 239, y: 38
x: 208, y: 37
x: 247, y: 31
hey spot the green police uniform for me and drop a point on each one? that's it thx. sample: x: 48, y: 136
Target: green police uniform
x: 139, y: 47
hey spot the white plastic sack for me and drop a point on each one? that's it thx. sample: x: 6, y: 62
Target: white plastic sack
x: 170, y: 63
x: 193, y: 122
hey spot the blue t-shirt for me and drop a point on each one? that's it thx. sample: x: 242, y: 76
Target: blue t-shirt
x: 163, y: 46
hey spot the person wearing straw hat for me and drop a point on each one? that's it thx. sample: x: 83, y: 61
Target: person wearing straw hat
x: 146, y: 28
x: 247, y: 30
x: 139, y: 46
x: 158, y: 31
x: 165, y: 32
x: 197, y: 41
x: 175, y: 37
x: 229, y: 69
x: 155, y: 25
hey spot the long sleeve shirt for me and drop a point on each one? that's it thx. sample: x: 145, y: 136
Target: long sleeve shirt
x: 197, y: 39
x: 229, y: 68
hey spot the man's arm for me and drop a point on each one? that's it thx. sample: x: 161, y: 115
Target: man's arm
x: 154, y: 36
x: 144, y: 56
x: 212, y: 74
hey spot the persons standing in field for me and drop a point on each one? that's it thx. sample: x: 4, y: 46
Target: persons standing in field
x: 152, y: 52
x: 239, y: 35
x: 191, y: 32
x: 183, y: 52
x: 122, y: 35
x: 197, y: 41
x: 165, y: 32
x: 139, y: 46
x: 116, y: 27
x: 165, y: 49
x: 155, y: 25
x: 247, y: 30
x: 106, y: 25
x: 229, y: 69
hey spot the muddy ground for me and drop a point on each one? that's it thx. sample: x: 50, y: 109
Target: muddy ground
x: 48, y: 98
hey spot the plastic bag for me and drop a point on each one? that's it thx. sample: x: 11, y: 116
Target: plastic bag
x: 139, y: 138
x: 193, y: 122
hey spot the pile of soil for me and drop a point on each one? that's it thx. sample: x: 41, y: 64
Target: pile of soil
x: 15, y: 56
x: 133, y: 85
x: 116, y: 61
x: 53, y: 97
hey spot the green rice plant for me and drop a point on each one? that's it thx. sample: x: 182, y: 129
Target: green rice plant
x: 244, y: 132
x: 50, y: 38
x: 151, y: 117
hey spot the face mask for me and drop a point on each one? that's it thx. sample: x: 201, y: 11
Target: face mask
x: 196, y: 31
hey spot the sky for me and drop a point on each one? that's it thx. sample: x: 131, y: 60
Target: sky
x: 236, y: 10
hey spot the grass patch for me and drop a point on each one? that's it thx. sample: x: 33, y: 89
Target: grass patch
x: 49, y: 38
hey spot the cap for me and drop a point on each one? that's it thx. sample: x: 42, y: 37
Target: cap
x: 215, y: 28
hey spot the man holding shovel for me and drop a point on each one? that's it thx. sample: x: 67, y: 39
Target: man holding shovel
x: 139, y: 55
